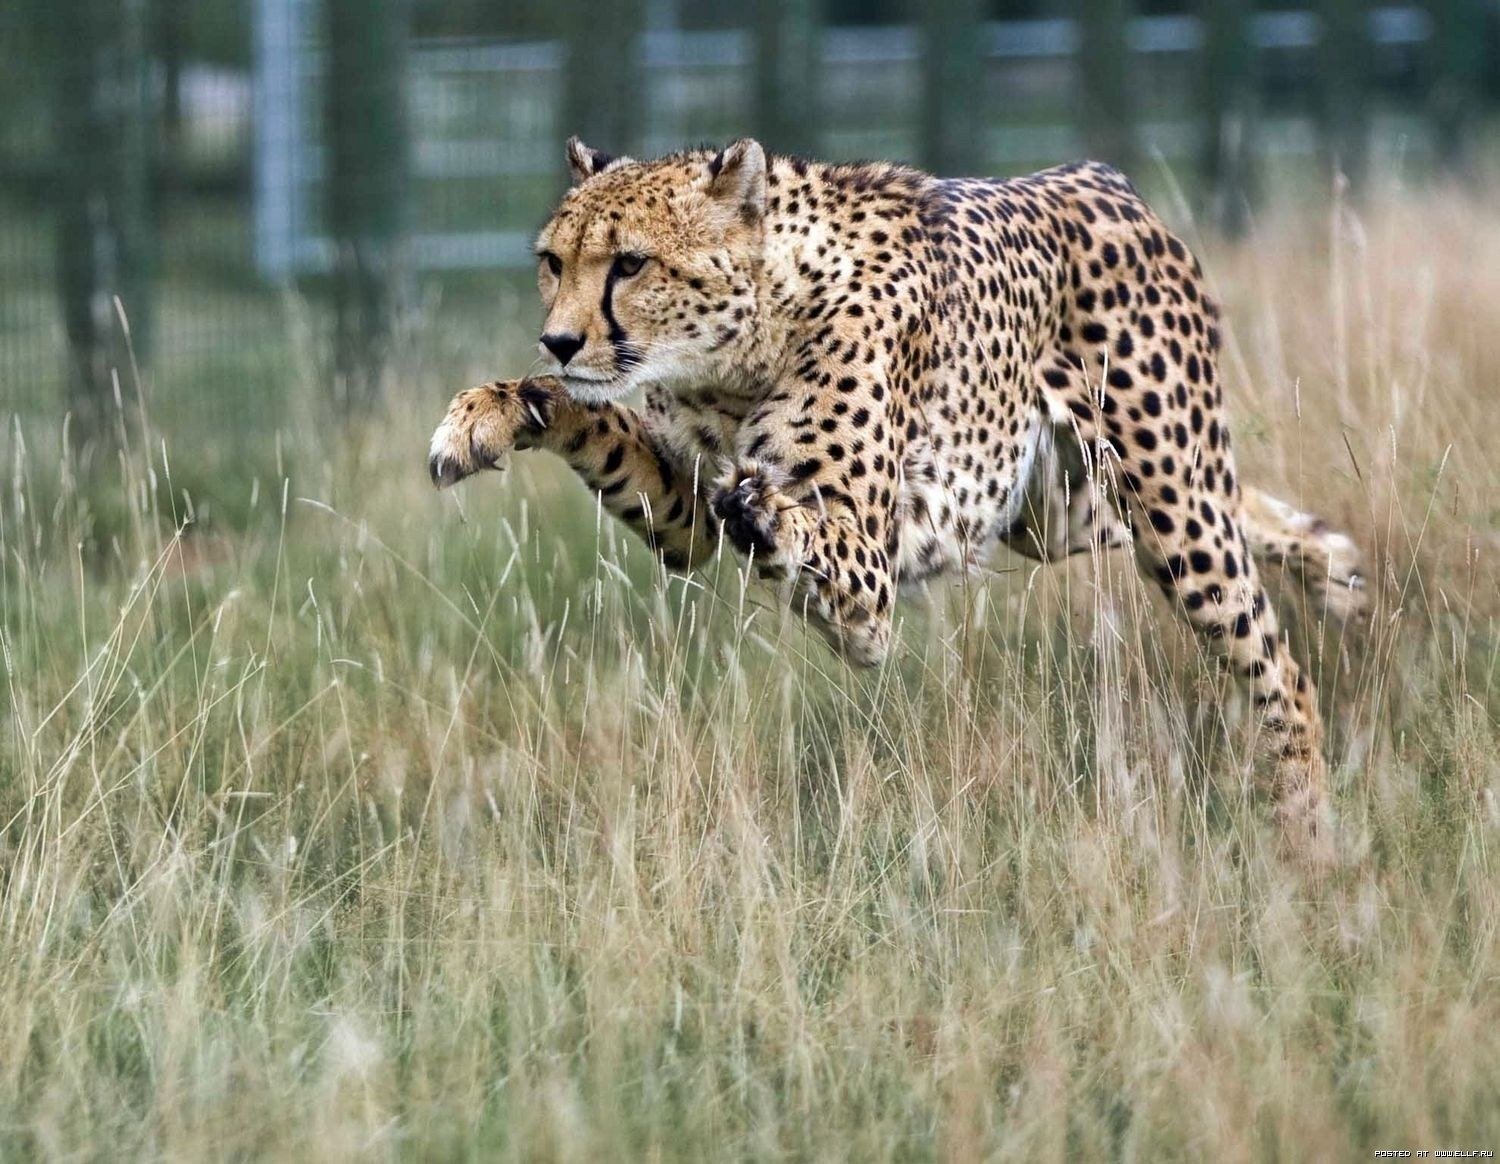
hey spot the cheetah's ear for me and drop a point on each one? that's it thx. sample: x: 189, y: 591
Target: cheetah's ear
x: 584, y: 162
x: 737, y: 178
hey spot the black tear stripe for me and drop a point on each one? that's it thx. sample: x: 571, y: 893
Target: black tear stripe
x: 627, y: 355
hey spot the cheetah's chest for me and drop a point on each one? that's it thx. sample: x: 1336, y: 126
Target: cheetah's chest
x: 952, y: 507
x: 699, y: 430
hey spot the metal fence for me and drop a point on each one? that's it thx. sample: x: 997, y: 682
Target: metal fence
x: 487, y: 116
x: 243, y: 194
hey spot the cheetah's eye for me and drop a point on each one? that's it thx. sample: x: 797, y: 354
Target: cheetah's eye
x: 629, y: 264
x: 554, y: 264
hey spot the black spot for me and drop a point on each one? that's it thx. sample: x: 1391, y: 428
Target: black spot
x: 1172, y: 570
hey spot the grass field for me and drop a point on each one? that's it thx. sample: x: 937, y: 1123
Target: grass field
x: 344, y: 820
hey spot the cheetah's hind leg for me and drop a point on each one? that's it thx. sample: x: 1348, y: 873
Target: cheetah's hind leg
x: 1326, y: 561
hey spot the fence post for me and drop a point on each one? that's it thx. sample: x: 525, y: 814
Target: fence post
x: 168, y: 31
x: 1343, y: 64
x: 1458, y: 58
x: 281, y: 166
x: 1229, y: 111
x: 105, y: 242
x: 1106, y: 87
x: 604, y: 101
x: 367, y: 158
x: 788, y: 106
x: 952, y: 87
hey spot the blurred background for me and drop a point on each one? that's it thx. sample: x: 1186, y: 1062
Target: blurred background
x: 287, y: 198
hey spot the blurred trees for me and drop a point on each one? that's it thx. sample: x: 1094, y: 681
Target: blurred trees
x: 788, y: 55
x: 1229, y: 111
x: 952, y: 80
x: 603, y: 102
x: 1106, y: 96
x: 1343, y: 86
x: 102, y: 120
x: 368, y: 156
x: 1458, y: 58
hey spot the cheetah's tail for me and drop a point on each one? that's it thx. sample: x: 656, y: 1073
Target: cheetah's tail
x: 1328, y: 562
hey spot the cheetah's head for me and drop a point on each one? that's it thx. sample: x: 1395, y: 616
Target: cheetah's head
x: 648, y: 270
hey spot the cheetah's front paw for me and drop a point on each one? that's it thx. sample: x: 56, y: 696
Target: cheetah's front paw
x: 762, y: 521
x: 483, y: 424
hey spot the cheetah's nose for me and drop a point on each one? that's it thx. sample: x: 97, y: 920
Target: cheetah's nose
x: 564, y: 347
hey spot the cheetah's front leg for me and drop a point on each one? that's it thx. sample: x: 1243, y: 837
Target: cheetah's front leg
x: 821, y: 513
x: 839, y: 580
x: 609, y: 446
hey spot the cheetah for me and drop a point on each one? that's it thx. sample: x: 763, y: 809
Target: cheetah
x: 861, y: 375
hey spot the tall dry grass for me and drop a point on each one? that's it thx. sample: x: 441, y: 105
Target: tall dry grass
x: 372, y: 824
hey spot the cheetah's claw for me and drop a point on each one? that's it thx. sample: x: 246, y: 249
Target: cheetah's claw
x: 484, y: 424
x: 762, y: 521
x: 748, y: 523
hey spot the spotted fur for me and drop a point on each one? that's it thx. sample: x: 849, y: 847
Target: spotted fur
x: 862, y: 375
